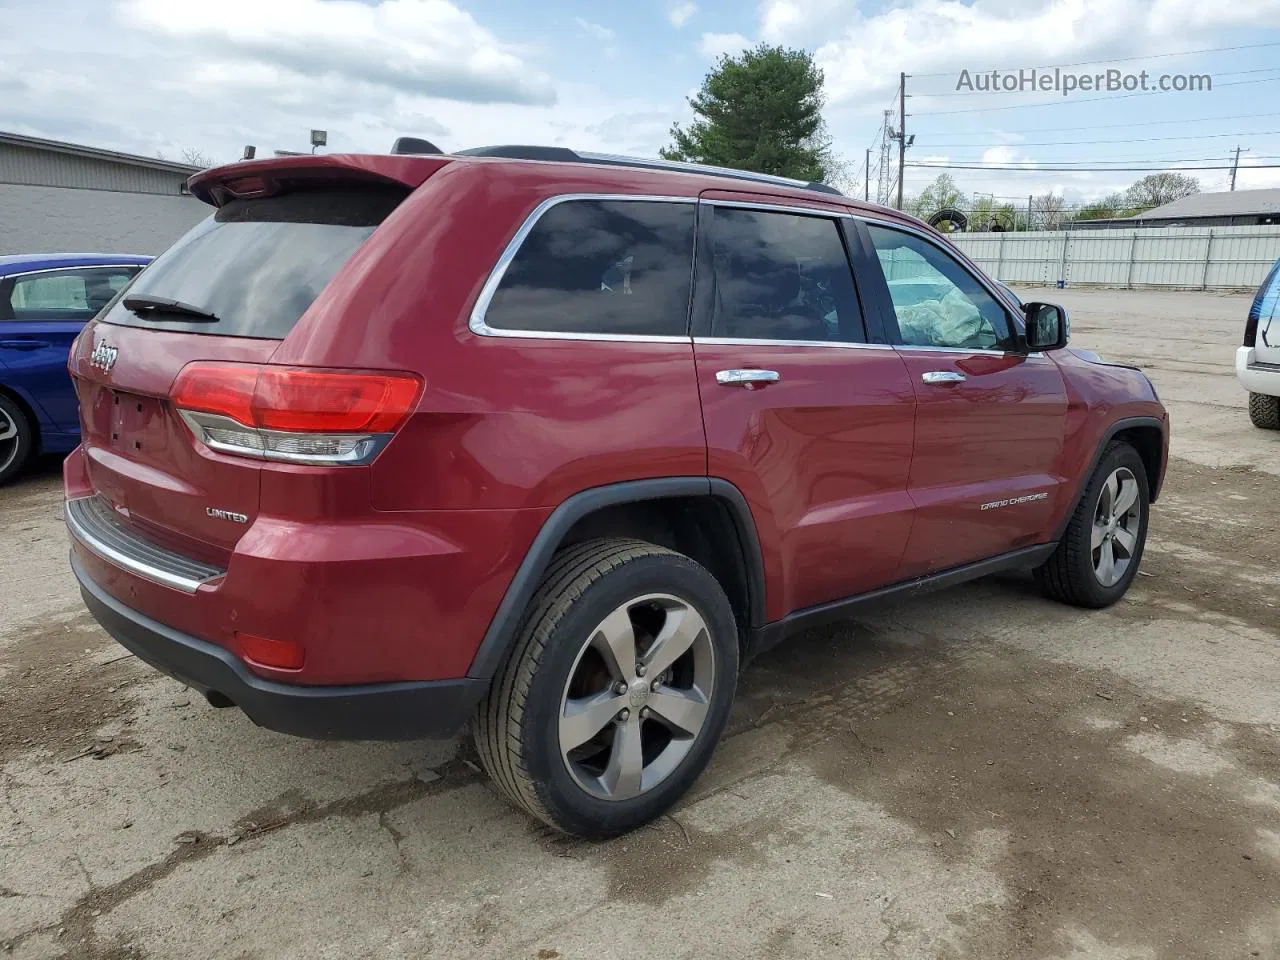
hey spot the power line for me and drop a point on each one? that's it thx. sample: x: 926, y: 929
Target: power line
x: 1112, y: 161
x: 1007, y: 169
x: 1154, y: 56
x: 1140, y: 123
x: 1059, y: 143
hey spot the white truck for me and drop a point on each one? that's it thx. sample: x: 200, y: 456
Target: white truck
x: 1258, y: 361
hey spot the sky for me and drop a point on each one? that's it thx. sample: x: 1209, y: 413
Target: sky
x: 163, y: 76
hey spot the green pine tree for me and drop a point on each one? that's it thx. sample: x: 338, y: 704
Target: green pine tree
x: 760, y: 111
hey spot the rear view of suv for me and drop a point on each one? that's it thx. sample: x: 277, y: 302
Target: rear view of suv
x: 553, y: 443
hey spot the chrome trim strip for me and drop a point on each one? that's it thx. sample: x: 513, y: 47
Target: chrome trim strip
x: 750, y: 342
x: 799, y: 209
x: 677, y: 166
x: 87, y: 266
x: 79, y: 527
x: 476, y: 323
x: 920, y: 348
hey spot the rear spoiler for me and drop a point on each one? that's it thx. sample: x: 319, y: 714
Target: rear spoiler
x: 270, y: 176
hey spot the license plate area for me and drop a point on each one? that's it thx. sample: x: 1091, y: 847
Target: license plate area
x: 137, y: 425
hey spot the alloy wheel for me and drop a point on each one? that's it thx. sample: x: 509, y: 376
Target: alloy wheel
x: 9, y: 440
x: 637, y: 697
x: 1116, y: 523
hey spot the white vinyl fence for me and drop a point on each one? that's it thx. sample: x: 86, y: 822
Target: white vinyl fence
x: 1176, y: 258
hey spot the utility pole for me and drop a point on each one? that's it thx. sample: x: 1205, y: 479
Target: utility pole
x: 1235, y: 164
x: 1028, y: 214
x: 902, y: 132
x: 866, y: 185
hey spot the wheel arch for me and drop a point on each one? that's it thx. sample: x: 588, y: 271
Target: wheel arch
x: 709, y: 511
x: 1147, y: 436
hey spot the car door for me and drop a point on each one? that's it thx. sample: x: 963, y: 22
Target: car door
x: 807, y: 416
x: 41, y: 313
x: 990, y: 418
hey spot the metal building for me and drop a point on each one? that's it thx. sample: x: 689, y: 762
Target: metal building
x: 1238, y: 208
x: 60, y: 197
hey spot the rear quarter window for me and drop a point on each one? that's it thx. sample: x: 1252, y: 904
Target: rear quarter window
x: 258, y: 264
x: 600, y: 267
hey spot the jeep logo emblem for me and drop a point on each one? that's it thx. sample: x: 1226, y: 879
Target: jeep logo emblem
x: 103, y: 357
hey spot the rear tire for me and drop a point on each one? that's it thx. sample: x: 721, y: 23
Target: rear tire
x: 17, y: 441
x: 582, y: 726
x: 1264, y: 411
x: 1098, y: 555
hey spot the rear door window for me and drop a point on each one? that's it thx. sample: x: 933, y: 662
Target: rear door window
x: 71, y: 294
x: 257, y: 264
x: 614, y: 267
x: 782, y: 276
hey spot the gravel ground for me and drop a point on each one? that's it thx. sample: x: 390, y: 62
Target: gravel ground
x: 985, y: 774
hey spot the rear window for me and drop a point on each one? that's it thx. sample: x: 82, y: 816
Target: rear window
x: 601, y: 267
x: 257, y: 265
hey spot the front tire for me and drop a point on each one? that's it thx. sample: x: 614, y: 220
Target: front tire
x: 1264, y: 411
x: 1100, y: 551
x: 16, y: 439
x: 617, y: 691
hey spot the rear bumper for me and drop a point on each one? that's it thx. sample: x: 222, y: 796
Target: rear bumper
x: 1257, y: 377
x: 377, y: 711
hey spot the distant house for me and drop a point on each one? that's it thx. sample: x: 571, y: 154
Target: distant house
x: 1239, y: 208
x: 60, y: 197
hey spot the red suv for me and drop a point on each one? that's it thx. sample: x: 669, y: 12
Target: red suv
x: 553, y: 443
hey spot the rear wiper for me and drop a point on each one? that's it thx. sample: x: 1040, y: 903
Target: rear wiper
x: 144, y: 305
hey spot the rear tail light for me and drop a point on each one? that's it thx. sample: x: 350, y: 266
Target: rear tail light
x: 294, y: 414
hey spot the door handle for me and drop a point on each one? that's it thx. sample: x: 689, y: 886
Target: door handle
x: 943, y: 376
x: 25, y: 344
x: 747, y: 378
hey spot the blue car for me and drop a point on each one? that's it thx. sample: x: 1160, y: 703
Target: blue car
x: 45, y: 300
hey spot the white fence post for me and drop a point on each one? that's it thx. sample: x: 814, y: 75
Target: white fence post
x: 1133, y: 249
x: 1208, y: 249
x: 1000, y: 257
x: 1062, y: 264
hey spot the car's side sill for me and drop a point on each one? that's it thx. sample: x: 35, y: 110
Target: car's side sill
x: 771, y: 634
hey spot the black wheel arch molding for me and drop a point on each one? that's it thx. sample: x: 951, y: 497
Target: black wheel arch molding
x: 505, y: 623
x: 1110, y: 433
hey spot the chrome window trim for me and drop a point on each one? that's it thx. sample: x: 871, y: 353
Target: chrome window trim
x: 134, y: 565
x: 476, y: 323
x: 1015, y: 322
x: 799, y: 209
x: 94, y: 266
x: 921, y: 348
x: 755, y: 342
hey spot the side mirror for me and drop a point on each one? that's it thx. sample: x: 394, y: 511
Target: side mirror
x: 1048, y: 327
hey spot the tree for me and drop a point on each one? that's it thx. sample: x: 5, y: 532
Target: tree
x: 194, y: 157
x: 1160, y: 188
x: 1112, y: 205
x: 1047, y: 210
x: 942, y: 194
x: 987, y: 215
x: 761, y: 111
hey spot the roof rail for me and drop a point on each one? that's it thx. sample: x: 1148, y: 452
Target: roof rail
x: 565, y: 155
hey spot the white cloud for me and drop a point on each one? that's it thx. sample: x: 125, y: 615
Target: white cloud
x: 1003, y: 156
x: 422, y: 47
x: 714, y: 45
x: 595, y: 30
x: 680, y: 13
x: 803, y: 22
x: 861, y: 54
